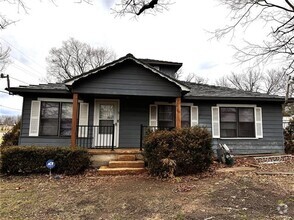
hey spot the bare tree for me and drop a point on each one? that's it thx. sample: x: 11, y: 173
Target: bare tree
x: 275, y: 82
x: 277, y: 16
x: 4, y: 57
x: 138, y: 7
x: 18, y: 4
x: 21, y: 6
x: 192, y: 77
x: 75, y: 58
x: 272, y: 82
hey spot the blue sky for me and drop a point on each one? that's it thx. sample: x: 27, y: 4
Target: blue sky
x: 179, y: 34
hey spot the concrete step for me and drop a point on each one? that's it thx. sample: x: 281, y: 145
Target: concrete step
x: 105, y: 170
x: 126, y: 157
x: 127, y: 164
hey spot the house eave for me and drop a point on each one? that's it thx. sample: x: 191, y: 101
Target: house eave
x: 21, y: 92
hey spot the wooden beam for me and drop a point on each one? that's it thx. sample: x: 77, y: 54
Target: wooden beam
x: 74, y: 122
x: 178, y: 113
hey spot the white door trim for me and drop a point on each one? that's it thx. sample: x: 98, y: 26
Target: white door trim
x: 96, y: 121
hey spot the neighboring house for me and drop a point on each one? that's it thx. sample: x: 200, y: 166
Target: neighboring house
x: 109, y: 105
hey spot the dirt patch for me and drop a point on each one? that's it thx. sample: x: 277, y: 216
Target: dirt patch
x: 211, y: 196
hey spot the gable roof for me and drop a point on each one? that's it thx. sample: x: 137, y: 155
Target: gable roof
x: 210, y: 92
x: 129, y: 56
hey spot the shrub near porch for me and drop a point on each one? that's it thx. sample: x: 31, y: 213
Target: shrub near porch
x: 189, y: 148
x: 28, y: 160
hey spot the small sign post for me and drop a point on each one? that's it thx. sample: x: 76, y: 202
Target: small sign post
x: 50, y: 164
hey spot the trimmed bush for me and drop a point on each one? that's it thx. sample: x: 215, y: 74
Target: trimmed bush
x: 27, y: 160
x: 189, y: 148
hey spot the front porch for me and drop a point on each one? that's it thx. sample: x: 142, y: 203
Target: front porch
x: 120, y: 122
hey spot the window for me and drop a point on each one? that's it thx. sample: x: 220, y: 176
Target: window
x: 237, y: 122
x: 106, y: 118
x: 66, y: 117
x: 167, y: 116
x: 55, y: 119
x: 186, y: 117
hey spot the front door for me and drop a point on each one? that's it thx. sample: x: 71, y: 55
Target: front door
x: 106, y: 115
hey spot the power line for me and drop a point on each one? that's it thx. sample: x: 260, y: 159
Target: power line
x: 19, y: 80
x: 22, y: 53
x: 37, y: 73
x: 10, y: 107
x: 25, y: 70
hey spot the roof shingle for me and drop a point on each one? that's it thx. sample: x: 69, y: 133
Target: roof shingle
x: 204, y: 91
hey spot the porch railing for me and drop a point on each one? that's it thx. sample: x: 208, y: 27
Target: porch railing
x: 96, y: 136
x: 145, y: 130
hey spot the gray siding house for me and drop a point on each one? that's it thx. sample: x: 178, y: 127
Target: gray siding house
x: 113, y: 104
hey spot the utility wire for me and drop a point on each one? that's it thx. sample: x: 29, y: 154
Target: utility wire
x: 10, y: 107
x: 25, y: 70
x: 36, y: 73
x: 22, y: 53
x: 18, y: 80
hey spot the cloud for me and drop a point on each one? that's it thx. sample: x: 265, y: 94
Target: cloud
x: 108, y: 3
x: 207, y: 65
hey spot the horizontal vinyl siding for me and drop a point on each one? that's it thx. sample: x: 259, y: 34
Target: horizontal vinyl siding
x: 272, y: 141
x: 127, y: 79
x: 26, y: 140
x: 45, y: 141
x: 133, y: 113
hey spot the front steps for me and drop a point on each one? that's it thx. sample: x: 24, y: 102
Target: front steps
x: 124, y: 164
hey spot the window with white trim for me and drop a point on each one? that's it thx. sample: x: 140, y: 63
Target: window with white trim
x: 237, y: 122
x: 55, y: 119
x: 166, y: 116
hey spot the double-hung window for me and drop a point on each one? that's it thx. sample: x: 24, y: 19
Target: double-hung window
x: 237, y: 122
x: 55, y: 119
x: 167, y: 116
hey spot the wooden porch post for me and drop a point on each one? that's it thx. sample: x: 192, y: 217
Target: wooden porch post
x: 74, y: 121
x: 178, y: 113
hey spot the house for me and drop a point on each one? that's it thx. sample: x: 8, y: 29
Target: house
x: 110, y: 106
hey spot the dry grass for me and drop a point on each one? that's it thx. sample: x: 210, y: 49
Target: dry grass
x: 218, y: 196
